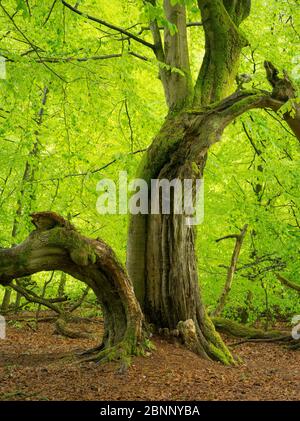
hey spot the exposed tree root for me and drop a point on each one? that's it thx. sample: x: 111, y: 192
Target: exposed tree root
x: 205, y: 341
x: 91, y: 351
x: 121, y: 352
x: 251, y: 334
x: 241, y: 331
x: 62, y: 328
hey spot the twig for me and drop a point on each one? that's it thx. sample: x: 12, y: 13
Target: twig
x: 50, y: 12
x: 29, y: 42
x: 109, y: 25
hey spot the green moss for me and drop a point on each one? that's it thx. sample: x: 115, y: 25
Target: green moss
x: 242, y: 331
x: 217, y: 348
x: 163, y: 146
x: 81, y: 251
x: 220, y: 355
x: 224, y: 42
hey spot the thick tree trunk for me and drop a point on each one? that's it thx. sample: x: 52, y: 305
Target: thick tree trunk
x: 94, y: 263
x: 161, y: 248
x: 173, y: 298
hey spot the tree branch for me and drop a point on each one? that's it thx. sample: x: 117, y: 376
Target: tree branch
x: 283, y: 91
x: 226, y: 237
x: 56, y: 246
x: 177, y: 83
x: 223, y: 44
x: 82, y: 59
x: 231, y: 270
x: 241, y: 102
x: 109, y: 25
x: 288, y: 283
x: 162, y: 28
x: 50, y: 12
x: 29, y: 41
x: 158, y: 45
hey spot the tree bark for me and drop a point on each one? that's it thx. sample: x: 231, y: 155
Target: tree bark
x: 223, y: 45
x: 231, y: 270
x: 94, y: 263
x: 6, y: 300
x: 161, y: 248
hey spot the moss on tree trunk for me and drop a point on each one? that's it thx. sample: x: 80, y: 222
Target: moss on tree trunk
x: 94, y: 263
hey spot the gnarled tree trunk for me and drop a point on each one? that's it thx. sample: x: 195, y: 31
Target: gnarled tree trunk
x: 94, y: 263
x: 163, y: 246
x: 161, y: 257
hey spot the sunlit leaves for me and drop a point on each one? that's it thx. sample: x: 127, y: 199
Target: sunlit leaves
x: 87, y: 126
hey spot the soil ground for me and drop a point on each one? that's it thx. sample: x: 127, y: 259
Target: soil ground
x: 40, y: 365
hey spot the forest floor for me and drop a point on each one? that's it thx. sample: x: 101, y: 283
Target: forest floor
x: 40, y: 365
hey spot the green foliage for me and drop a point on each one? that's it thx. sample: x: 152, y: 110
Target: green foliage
x: 100, y: 111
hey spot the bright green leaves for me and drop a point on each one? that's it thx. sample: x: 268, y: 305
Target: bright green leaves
x: 170, y: 68
x: 156, y: 13
x: 86, y: 126
x: 188, y: 3
x: 21, y: 5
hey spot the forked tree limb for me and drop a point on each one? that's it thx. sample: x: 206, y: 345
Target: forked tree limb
x: 231, y: 271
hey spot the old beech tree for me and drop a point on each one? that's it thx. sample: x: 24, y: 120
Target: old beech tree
x: 162, y: 285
